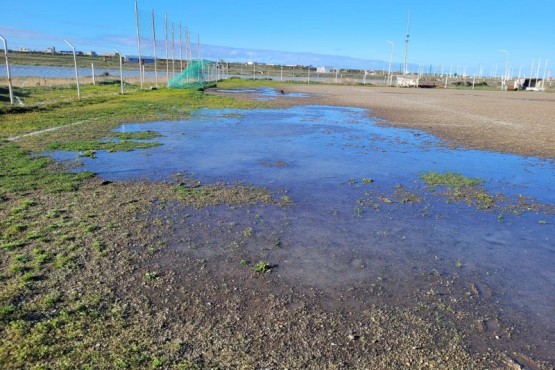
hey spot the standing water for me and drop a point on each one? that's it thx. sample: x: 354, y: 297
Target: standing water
x: 362, y: 216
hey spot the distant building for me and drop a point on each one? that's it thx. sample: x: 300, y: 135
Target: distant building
x: 24, y: 50
x: 327, y: 70
x: 91, y: 53
x: 51, y: 50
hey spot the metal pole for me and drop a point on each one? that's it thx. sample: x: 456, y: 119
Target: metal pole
x: 198, y: 47
x: 173, y: 51
x: 406, y: 71
x: 538, y: 72
x: 10, y: 89
x: 92, y: 70
x: 188, y: 54
x: 180, y: 50
x: 167, y: 59
x: 76, y: 71
x: 139, y: 43
x: 544, y: 74
x: 506, y: 73
x: 120, y: 71
x: 390, y: 61
x: 154, y: 47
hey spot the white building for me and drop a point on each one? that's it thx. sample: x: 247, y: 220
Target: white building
x: 326, y: 70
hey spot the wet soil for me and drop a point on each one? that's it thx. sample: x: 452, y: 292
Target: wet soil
x: 518, y: 122
x: 362, y: 273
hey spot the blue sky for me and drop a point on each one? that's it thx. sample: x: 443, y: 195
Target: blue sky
x: 462, y: 34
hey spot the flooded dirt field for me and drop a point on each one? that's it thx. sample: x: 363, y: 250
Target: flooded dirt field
x: 359, y: 224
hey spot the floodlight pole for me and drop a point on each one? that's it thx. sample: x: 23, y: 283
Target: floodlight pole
x: 173, y: 50
x: 390, y: 61
x: 141, y: 74
x: 154, y: 47
x: 506, y: 74
x: 180, y: 50
x: 120, y: 71
x: 167, y: 57
x: 76, y: 71
x: 8, y: 69
x: 406, y: 71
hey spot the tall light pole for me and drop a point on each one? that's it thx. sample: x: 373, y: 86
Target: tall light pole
x: 390, y: 60
x: 141, y: 71
x: 76, y: 70
x: 506, y: 74
x: 406, y: 71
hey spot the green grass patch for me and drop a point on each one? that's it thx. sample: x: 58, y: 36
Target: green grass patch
x: 209, y: 195
x: 139, y: 135
x: 262, y: 266
x: 19, y: 171
x: 450, y: 179
x: 102, y: 109
x: 90, y: 146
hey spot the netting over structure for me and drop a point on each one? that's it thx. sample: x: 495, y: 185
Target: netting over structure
x: 194, y: 76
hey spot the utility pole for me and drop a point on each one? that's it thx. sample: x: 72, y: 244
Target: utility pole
x: 406, y: 71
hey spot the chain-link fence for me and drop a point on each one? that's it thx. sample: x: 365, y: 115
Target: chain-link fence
x: 163, y: 48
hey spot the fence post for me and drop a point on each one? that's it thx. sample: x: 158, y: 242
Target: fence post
x: 76, y: 70
x: 120, y: 71
x: 92, y: 70
x: 8, y: 69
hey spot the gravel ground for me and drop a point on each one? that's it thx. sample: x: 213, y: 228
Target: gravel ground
x: 510, y: 122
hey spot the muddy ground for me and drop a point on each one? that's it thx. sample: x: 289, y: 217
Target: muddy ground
x: 519, y: 122
x: 169, y: 302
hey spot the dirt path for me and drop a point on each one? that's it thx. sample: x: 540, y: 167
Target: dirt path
x: 511, y: 122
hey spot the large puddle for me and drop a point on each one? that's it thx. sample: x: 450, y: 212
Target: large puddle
x: 361, y: 218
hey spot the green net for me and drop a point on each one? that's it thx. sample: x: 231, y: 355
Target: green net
x: 194, y: 76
